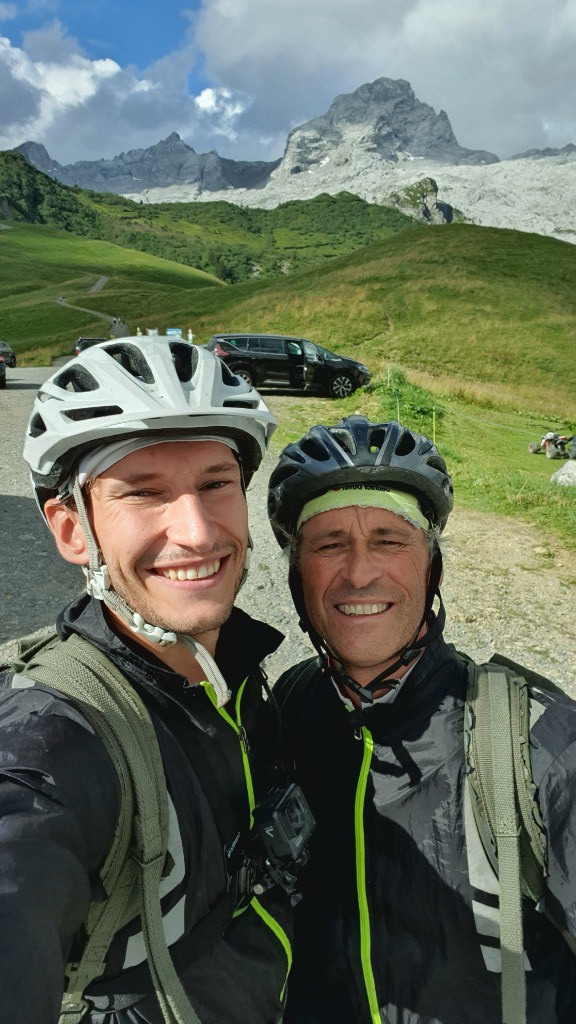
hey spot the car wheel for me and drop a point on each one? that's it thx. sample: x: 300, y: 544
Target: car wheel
x: 341, y: 386
x: 551, y: 451
x: 533, y: 447
x: 245, y: 375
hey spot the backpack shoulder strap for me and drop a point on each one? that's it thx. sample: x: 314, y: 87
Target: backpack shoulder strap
x: 493, y: 752
x: 135, y: 863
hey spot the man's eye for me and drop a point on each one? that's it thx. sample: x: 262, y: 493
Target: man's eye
x: 216, y: 485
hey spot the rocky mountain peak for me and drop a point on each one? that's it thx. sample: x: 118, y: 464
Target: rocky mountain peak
x: 382, y: 120
x: 37, y: 155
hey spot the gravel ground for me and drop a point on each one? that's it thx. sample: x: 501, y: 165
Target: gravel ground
x: 507, y: 588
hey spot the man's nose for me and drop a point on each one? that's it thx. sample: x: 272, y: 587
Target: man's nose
x: 189, y: 523
x: 360, y: 566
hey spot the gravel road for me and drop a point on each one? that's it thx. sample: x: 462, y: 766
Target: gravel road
x: 507, y: 588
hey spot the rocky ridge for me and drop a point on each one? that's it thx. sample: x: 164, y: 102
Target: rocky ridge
x: 169, y: 160
x: 380, y: 143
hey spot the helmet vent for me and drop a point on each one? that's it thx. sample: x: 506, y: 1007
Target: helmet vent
x: 37, y: 426
x: 76, y: 378
x: 436, y: 462
x: 228, y: 377
x: 314, y: 450
x: 237, y: 403
x: 132, y: 360
x: 93, y: 413
x: 406, y: 444
x: 377, y: 438
x: 185, y: 360
x: 345, y: 439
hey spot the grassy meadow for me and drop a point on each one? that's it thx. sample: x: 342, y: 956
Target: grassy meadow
x: 468, y: 331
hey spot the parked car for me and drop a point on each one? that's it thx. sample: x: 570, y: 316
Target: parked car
x: 2, y: 373
x: 84, y: 343
x: 8, y: 354
x: 280, y: 360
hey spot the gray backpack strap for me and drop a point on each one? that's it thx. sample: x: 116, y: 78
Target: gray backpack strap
x: 496, y: 778
x: 135, y: 863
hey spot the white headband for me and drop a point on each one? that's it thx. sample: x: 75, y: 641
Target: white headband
x: 97, y: 461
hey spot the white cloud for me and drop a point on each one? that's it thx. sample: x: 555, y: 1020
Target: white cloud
x: 503, y: 72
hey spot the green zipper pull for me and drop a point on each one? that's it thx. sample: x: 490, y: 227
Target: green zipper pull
x: 244, y: 739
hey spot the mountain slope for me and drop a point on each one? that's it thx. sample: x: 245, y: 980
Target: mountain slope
x: 219, y: 238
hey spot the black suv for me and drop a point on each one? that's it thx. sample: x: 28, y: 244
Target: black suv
x: 279, y: 360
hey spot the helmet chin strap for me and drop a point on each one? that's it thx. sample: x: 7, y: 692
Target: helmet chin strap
x: 99, y: 587
x: 403, y: 658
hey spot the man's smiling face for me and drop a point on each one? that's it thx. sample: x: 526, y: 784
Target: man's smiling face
x: 171, y: 522
x: 364, y: 574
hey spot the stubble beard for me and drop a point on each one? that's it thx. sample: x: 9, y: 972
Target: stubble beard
x: 187, y: 625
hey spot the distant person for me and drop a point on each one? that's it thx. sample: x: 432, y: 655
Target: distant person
x: 141, y: 451
x: 400, y: 920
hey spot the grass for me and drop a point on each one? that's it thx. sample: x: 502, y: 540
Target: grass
x: 38, y: 263
x: 479, y: 321
x: 486, y: 449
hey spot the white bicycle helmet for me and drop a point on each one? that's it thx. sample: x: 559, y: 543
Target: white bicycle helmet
x: 128, y: 387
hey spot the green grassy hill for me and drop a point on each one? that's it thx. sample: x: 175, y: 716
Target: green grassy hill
x: 37, y: 264
x: 476, y: 305
x: 492, y: 307
x: 232, y: 242
x: 480, y: 322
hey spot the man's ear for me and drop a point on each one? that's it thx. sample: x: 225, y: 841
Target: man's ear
x: 65, y: 526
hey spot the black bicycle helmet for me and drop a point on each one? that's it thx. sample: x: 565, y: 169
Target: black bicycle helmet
x: 356, y: 451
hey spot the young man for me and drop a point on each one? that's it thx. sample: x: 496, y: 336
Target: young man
x: 141, y: 450
x: 400, y: 921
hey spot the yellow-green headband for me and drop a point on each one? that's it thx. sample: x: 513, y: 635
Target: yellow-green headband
x: 399, y: 502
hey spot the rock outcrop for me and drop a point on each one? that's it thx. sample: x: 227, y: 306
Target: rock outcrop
x: 566, y: 475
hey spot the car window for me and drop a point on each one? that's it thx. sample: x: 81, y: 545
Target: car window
x: 327, y: 354
x: 272, y: 345
x: 310, y: 351
x: 294, y: 348
x: 238, y: 342
x: 253, y: 344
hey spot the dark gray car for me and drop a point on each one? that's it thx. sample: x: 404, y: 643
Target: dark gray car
x: 8, y: 353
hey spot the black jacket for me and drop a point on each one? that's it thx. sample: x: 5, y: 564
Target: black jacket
x: 59, y: 802
x: 397, y: 923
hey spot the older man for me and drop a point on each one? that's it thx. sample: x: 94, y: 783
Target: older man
x: 141, y: 450
x: 400, y: 921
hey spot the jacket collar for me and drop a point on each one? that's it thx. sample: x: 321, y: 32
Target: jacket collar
x: 243, y: 642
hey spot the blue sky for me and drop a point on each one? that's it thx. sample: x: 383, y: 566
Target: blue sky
x: 94, y: 78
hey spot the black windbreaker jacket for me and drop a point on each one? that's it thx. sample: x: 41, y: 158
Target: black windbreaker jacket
x: 59, y: 802
x: 399, y: 922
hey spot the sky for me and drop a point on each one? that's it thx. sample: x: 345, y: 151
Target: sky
x: 94, y: 78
